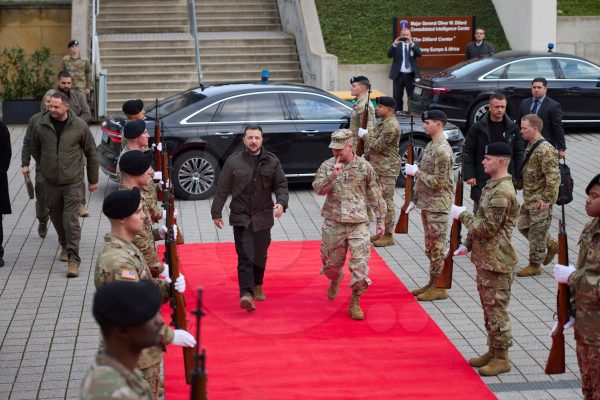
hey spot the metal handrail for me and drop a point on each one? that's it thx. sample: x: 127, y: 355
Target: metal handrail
x: 98, y: 72
x: 194, y: 31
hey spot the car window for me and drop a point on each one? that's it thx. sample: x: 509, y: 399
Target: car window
x: 468, y: 66
x: 496, y: 74
x: 254, y: 107
x: 530, y: 68
x: 577, y: 69
x: 175, y: 103
x: 206, y: 115
x: 314, y: 107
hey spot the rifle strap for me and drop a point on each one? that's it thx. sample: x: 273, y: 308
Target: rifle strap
x: 528, y: 155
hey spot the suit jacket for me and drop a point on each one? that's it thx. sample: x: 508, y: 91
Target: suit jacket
x: 5, y: 156
x: 551, y: 114
x: 397, y: 56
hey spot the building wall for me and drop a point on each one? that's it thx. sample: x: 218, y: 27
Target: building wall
x: 579, y: 36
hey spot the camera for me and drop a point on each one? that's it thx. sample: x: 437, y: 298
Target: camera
x: 403, y: 39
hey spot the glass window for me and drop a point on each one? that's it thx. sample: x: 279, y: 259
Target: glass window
x: 467, y: 67
x: 253, y: 107
x: 205, y: 115
x: 530, y: 68
x: 577, y: 69
x: 175, y: 103
x: 314, y: 107
x: 496, y: 74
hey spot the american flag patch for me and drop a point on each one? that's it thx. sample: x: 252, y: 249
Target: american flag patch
x: 129, y: 275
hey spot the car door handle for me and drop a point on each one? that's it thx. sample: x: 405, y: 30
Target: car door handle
x: 224, y: 133
x: 310, y: 131
x: 574, y: 88
x: 510, y: 89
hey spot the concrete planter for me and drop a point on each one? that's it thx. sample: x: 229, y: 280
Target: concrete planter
x: 19, y: 111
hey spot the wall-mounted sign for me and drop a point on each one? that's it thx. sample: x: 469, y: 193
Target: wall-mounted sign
x: 442, y: 39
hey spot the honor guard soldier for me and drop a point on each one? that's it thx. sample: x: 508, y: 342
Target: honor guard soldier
x: 79, y: 67
x: 360, y: 86
x: 134, y: 110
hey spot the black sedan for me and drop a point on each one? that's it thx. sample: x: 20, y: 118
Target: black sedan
x: 203, y: 126
x: 462, y: 91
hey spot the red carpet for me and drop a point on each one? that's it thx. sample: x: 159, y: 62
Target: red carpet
x: 298, y: 344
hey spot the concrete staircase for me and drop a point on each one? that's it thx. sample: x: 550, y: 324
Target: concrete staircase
x: 149, y: 53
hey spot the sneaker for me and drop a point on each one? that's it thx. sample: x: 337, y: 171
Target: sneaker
x: 83, y: 211
x: 43, y: 229
x: 247, y: 303
x: 64, y: 255
x: 73, y: 269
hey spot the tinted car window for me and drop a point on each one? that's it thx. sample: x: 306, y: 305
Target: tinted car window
x: 466, y: 67
x: 175, y: 103
x: 531, y: 68
x: 314, y: 107
x: 205, y: 115
x: 254, y: 107
x: 496, y: 74
x: 576, y: 69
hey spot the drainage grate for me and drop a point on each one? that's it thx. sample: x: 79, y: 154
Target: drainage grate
x: 539, y: 385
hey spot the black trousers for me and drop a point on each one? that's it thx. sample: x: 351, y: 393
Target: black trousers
x: 400, y: 83
x: 1, y: 238
x: 251, y: 248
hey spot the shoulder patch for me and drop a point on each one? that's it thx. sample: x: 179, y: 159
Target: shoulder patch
x: 129, y: 275
x: 498, y: 202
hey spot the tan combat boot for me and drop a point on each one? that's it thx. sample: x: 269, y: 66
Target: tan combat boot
x: 334, y: 287
x: 552, y: 249
x: 433, y: 294
x: 384, y: 241
x: 354, y: 309
x: 72, y: 269
x: 482, y: 359
x: 258, y: 293
x: 247, y: 303
x: 374, y: 237
x: 499, y: 364
x: 64, y: 255
x: 83, y: 211
x: 530, y: 270
x: 423, y: 289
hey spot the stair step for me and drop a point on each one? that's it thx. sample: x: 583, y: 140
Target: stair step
x: 248, y: 66
x: 128, y: 51
x: 145, y: 44
x: 142, y: 29
x: 142, y: 21
x: 147, y: 58
x: 236, y: 28
x: 114, y: 68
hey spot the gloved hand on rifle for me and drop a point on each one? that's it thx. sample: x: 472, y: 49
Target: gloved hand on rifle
x: 157, y: 176
x: 165, y: 274
x: 461, y: 251
x: 569, y: 324
x: 411, y: 206
x: 157, y: 147
x: 180, y: 283
x: 163, y: 231
x: 563, y: 272
x: 183, y: 338
x: 455, y: 211
x: 164, y: 214
x: 411, y: 169
x: 362, y: 132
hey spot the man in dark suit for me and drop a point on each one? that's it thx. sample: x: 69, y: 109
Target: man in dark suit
x: 404, y: 53
x: 549, y: 111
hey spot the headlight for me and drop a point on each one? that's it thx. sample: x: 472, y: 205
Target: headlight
x: 452, y: 134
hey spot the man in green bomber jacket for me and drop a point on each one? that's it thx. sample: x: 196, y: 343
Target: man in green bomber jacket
x: 60, y: 141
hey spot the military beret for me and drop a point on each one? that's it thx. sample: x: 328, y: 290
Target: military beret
x: 499, y: 149
x: 135, y: 162
x: 359, y: 78
x: 340, y: 138
x: 386, y: 101
x: 126, y: 303
x: 122, y: 203
x: 595, y: 181
x: 132, y: 107
x: 434, y: 114
x: 73, y: 42
x: 133, y: 129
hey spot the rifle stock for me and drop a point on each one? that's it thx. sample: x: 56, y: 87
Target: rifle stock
x: 556, y: 358
x: 360, y: 144
x: 199, y: 376
x: 166, y: 179
x: 156, y: 152
x: 402, y: 224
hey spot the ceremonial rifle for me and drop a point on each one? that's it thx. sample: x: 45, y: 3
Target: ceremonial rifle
x: 445, y: 280
x: 360, y: 146
x: 177, y: 301
x: 156, y: 152
x: 166, y: 175
x: 556, y: 358
x: 199, y: 376
x: 402, y: 224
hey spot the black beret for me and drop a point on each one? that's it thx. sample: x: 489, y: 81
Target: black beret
x: 434, y: 114
x: 499, y: 149
x: 359, y: 78
x: 386, y: 101
x: 73, y: 42
x: 126, y: 303
x: 122, y: 203
x: 132, y: 107
x: 595, y: 181
x: 135, y: 162
x: 133, y: 129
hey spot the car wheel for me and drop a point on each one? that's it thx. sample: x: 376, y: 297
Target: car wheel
x: 418, y: 147
x: 478, y: 111
x: 195, y: 175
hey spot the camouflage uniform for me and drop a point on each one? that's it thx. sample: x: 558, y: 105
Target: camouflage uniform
x: 109, y: 379
x: 433, y: 195
x: 121, y: 260
x: 144, y: 240
x: 356, y: 119
x: 80, y: 70
x: 489, y: 239
x: 382, y: 144
x: 585, y: 293
x: 346, y: 222
x: 541, y: 181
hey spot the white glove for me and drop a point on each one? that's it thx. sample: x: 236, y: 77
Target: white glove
x: 455, y: 211
x: 411, y: 206
x: 157, y: 176
x: 164, y: 214
x: 362, y: 132
x: 461, y: 251
x: 569, y: 324
x: 411, y: 169
x: 157, y: 146
x: 562, y: 272
x: 183, y: 338
x: 165, y: 273
x: 162, y: 232
x: 180, y: 283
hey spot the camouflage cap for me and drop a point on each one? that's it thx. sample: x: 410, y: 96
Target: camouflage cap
x: 340, y: 138
x: 133, y: 129
x: 126, y: 303
x: 595, y: 181
x: 135, y: 162
x: 122, y: 203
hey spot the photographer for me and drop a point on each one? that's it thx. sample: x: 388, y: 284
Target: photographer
x: 404, y: 53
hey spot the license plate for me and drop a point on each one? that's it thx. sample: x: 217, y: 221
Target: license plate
x: 418, y: 91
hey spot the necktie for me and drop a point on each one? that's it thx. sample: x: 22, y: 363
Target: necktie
x: 406, y: 56
x: 534, y: 107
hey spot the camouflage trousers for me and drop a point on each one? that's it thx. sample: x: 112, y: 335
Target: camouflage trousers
x: 152, y: 376
x: 41, y: 207
x: 63, y: 202
x: 435, y: 227
x: 588, y: 358
x: 534, y: 225
x: 337, y: 239
x: 494, y: 293
x: 388, y: 185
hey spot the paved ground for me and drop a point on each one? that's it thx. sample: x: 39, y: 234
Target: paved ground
x: 48, y: 337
